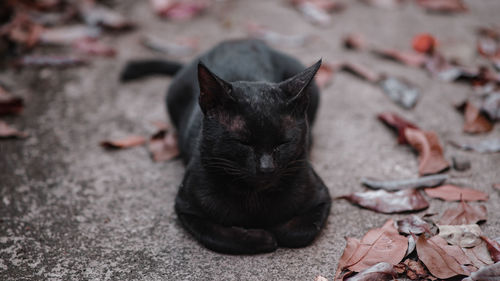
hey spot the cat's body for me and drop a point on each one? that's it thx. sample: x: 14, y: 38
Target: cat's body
x: 248, y: 186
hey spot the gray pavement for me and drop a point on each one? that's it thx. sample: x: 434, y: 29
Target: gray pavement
x: 71, y: 211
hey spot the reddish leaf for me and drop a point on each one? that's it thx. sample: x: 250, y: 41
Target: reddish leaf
x: 439, y: 262
x: 414, y: 270
x: 488, y: 47
x: 10, y: 104
x: 397, y: 123
x: 179, y: 10
x: 475, y: 121
x: 407, y: 58
x: 413, y: 224
x: 94, y: 47
x: 478, y: 255
x: 454, y: 193
x: 127, y: 142
x: 431, y: 159
x: 68, y: 34
x: 443, y: 6
x: 389, y: 202
x: 493, y: 248
x: 53, y: 61
x: 163, y: 145
x: 7, y: 131
x: 424, y: 43
x: 354, y: 41
x: 464, y: 214
x: 378, y: 245
x: 496, y: 186
x: 324, y: 75
x: 352, y: 245
x: 361, y: 71
x: 379, y: 271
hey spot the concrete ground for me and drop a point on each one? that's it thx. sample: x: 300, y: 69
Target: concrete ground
x: 71, y: 211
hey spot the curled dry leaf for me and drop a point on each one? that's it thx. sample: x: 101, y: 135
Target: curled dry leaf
x: 274, y: 38
x: 493, y: 247
x: 397, y: 123
x: 53, y: 61
x: 431, y: 159
x: 407, y: 58
x: 389, y: 202
x: 180, y: 10
x: 324, y: 75
x: 465, y: 236
x: 487, y: 273
x: 427, y: 181
x: 7, y: 131
x: 94, y: 47
x: 439, y: 261
x: 413, y: 224
x: 361, y: 71
x: 475, y: 121
x: 485, y: 146
x: 378, y: 245
x: 443, y: 6
x: 400, y: 91
x: 126, y: 142
x: 352, y: 245
x: 411, y: 245
x: 10, y: 104
x: 163, y: 145
x: 424, y: 43
x: 464, y: 214
x: 179, y: 48
x: 413, y: 269
x: 455, y: 193
x: 380, y: 271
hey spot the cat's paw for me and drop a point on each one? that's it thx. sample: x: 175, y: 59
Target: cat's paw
x: 255, y: 241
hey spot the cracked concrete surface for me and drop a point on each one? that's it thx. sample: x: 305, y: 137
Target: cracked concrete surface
x: 71, y: 211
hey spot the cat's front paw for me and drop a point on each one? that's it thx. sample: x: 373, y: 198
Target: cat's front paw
x: 254, y: 241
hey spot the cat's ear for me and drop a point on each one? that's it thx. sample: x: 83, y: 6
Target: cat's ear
x: 295, y: 88
x: 214, y: 92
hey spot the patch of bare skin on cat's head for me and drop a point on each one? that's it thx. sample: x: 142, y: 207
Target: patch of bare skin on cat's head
x: 232, y: 123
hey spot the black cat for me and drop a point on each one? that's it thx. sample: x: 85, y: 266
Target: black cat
x: 243, y: 113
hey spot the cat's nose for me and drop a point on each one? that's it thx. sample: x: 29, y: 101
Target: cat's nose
x: 266, y: 164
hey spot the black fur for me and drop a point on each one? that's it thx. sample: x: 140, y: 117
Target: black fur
x: 243, y: 116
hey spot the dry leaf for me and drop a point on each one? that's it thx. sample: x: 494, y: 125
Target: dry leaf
x: 443, y: 6
x: 439, y: 262
x: 98, y: 15
x: 163, y: 145
x: 400, y: 91
x: 487, y: 273
x: 478, y: 255
x: 397, y: 123
x: 10, y: 104
x: 7, y: 131
x: 53, y: 61
x: 475, y: 121
x: 352, y: 245
x: 389, y: 202
x: 431, y: 159
x: 414, y: 270
x: 361, y: 71
x: 485, y: 146
x: 354, y: 41
x: 491, y: 106
x: 424, y: 43
x: 413, y: 224
x: 324, y: 75
x: 427, y: 181
x: 68, y: 34
x: 496, y: 186
x: 94, y: 47
x: 455, y: 193
x: 320, y: 278
x: 180, y: 10
x: 465, y: 236
x: 493, y: 247
x: 379, y: 271
x: 178, y: 48
x: 464, y: 214
x: 378, y: 245
x: 127, y: 142
x: 407, y: 58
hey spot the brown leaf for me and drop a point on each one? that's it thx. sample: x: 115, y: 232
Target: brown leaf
x: 443, y: 6
x: 389, y: 202
x: 407, y: 58
x: 378, y: 245
x: 487, y: 273
x: 354, y: 41
x: 439, y: 262
x: 464, y: 214
x: 53, y: 61
x: 94, y: 47
x: 496, y: 186
x: 126, y: 142
x: 163, y: 145
x: 68, y: 34
x: 361, y: 71
x: 352, y: 245
x: 179, y: 10
x: 413, y: 269
x: 450, y: 192
x: 431, y: 159
x: 324, y: 75
x: 320, y: 278
x: 380, y: 271
x: 475, y: 121
x: 10, y: 104
x: 413, y: 224
x: 397, y: 123
x: 478, y: 255
x: 7, y: 131
x: 424, y: 43
x: 465, y: 235
x: 493, y: 247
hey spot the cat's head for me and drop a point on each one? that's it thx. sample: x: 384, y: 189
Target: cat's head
x: 255, y: 132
